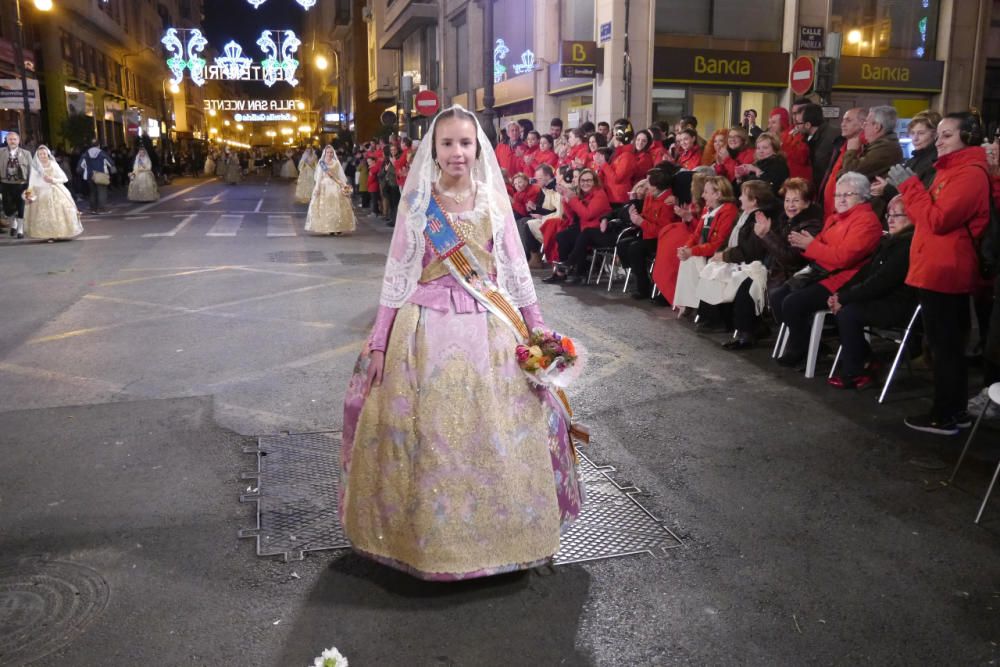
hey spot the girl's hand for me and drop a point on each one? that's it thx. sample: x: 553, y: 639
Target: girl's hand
x: 376, y: 364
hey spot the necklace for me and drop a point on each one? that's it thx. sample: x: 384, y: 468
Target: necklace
x: 457, y: 197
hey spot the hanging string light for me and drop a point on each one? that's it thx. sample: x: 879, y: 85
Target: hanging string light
x: 306, y: 4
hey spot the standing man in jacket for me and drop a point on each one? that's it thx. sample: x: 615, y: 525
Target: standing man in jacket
x: 820, y: 136
x: 97, y: 168
x: 15, y: 166
x: 882, y: 149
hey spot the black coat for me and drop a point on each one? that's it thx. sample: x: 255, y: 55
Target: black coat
x: 880, y: 284
x: 774, y: 170
x: 922, y: 163
x: 821, y: 151
x: 748, y: 248
x: 782, y: 259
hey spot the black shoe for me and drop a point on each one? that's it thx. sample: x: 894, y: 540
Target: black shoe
x: 20, y: 235
x: 573, y: 279
x: 964, y: 420
x: 709, y: 327
x: 556, y: 277
x: 929, y: 424
x: 739, y: 343
x: 660, y: 300
x: 13, y: 231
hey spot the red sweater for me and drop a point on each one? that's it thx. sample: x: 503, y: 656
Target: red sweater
x: 548, y: 157
x: 581, y: 151
x: 625, y: 164
x: 520, y: 200
x: 589, y: 208
x: 690, y: 158
x: 796, y: 151
x: 718, y: 233
x: 656, y: 214
x: 615, y: 179
x: 643, y: 163
x: 373, y: 174
x: 846, y: 242
x: 942, y: 256
x: 728, y: 166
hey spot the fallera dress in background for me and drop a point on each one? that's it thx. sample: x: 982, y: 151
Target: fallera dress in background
x: 455, y: 466
x: 142, y: 186
x: 209, y: 165
x: 330, y: 210
x: 307, y: 179
x: 288, y: 169
x: 234, y: 172
x: 53, y: 213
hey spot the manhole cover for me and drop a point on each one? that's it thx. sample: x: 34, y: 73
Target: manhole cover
x: 44, y: 605
x: 297, y: 256
x: 298, y: 477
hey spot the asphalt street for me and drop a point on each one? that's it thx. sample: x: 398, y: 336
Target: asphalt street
x: 137, y: 363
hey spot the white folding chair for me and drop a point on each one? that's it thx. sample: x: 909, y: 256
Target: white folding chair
x: 994, y: 394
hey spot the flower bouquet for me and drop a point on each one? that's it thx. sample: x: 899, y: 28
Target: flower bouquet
x: 331, y: 657
x: 550, y: 359
x: 29, y: 196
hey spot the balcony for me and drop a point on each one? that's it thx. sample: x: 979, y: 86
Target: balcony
x: 403, y: 18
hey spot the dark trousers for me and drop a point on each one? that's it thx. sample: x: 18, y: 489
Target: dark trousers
x: 528, y: 240
x: 376, y: 200
x: 98, y: 196
x: 851, y: 323
x: 392, y: 194
x: 740, y: 314
x: 574, y: 243
x: 795, y: 309
x: 635, y: 254
x: 13, y: 202
x: 946, y: 325
x: 366, y: 199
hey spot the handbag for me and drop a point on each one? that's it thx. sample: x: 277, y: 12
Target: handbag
x: 101, y: 178
x: 812, y: 273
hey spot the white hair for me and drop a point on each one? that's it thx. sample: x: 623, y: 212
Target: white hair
x: 857, y: 182
x: 885, y: 116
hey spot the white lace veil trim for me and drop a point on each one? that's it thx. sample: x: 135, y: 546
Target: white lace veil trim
x: 405, y: 261
x: 38, y: 171
x: 321, y: 166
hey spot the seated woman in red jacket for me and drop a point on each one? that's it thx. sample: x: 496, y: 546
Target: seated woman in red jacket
x: 738, y: 151
x: 545, y: 154
x: 687, y: 188
x: 689, y: 154
x: 589, y: 229
x: 656, y: 213
x: 848, y: 239
x: 579, y: 151
x: 524, y: 192
x: 615, y: 174
x: 595, y: 141
x: 642, y: 146
x: 708, y: 236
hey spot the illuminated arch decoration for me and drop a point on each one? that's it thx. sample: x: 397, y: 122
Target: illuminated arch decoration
x: 177, y: 63
x: 527, y: 63
x: 500, y: 52
x: 306, y: 4
x: 234, y: 64
x: 287, y: 65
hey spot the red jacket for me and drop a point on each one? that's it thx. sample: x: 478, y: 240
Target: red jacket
x: 373, y: 174
x: 718, y: 232
x: 689, y: 159
x: 728, y: 166
x: 590, y: 208
x: 615, y: 179
x: 942, y: 256
x: 657, y: 214
x: 643, y: 163
x: 548, y: 157
x: 658, y: 152
x: 625, y: 161
x: 508, y: 159
x: 831, y: 183
x: 846, y: 242
x: 402, y: 169
x: 520, y: 200
x: 796, y: 151
x: 581, y: 150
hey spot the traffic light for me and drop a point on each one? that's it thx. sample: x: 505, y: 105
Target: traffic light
x: 826, y: 75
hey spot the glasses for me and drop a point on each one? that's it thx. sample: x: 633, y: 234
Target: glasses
x: 845, y: 195
x: 895, y: 215
x: 586, y: 180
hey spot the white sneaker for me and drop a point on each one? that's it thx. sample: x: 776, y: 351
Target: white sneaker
x: 977, y: 402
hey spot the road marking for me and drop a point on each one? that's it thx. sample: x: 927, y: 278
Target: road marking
x: 92, y: 238
x: 168, y: 275
x: 280, y: 225
x: 227, y: 225
x: 260, y: 202
x: 136, y: 217
x: 146, y: 207
x: 173, y: 232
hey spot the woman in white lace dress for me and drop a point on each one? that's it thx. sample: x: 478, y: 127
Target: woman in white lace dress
x: 307, y: 177
x: 142, y: 182
x: 288, y: 169
x: 330, y: 209
x: 51, y: 212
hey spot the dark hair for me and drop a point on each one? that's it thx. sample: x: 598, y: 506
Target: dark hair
x: 797, y: 184
x: 605, y: 124
x: 970, y: 128
x: 608, y: 153
x: 659, y: 178
x: 656, y: 132
x: 801, y: 101
x: 690, y: 131
x: 546, y: 137
x: 461, y: 114
x: 587, y: 127
x: 760, y: 192
x: 537, y: 134
x: 526, y: 125
x: 547, y: 168
x: 578, y: 132
x: 601, y: 140
x: 812, y: 113
x: 649, y: 139
x: 689, y: 120
x: 556, y: 121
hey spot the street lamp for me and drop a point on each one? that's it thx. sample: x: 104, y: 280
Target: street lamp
x: 42, y: 6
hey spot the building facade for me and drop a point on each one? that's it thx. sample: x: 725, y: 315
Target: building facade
x: 102, y: 60
x: 712, y: 59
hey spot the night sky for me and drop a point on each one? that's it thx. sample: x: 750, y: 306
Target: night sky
x: 237, y: 19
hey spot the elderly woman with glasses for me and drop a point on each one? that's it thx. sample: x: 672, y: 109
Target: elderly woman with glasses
x: 876, y: 296
x: 848, y: 238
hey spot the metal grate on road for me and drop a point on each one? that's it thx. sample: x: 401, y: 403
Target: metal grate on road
x: 296, y: 489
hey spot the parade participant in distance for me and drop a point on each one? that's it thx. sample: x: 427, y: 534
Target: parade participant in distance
x: 15, y: 163
x: 454, y: 465
x: 142, y: 182
x: 306, y: 182
x: 330, y: 209
x: 51, y: 211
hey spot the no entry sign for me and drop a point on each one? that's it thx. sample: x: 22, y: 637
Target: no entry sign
x: 427, y: 103
x: 803, y: 74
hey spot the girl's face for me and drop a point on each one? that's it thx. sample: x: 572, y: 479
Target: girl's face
x: 764, y: 150
x: 795, y: 203
x: 531, y: 140
x: 747, y: 203
x: 520, y: 183
x: 545, y: 144
x: 922, y: 136
x: 394, y: 150
x: 593, y: 145
x: 641, y: 142
x: 948, y: 139
x: 734, y: 140
x: 685, y: 140
x: 719, y: 143
x: 774, y: 124
x: 328, y: 155
x: 573, y: 139
x: 711, y: 195
x: 43, y: 155
x: 455, y: 144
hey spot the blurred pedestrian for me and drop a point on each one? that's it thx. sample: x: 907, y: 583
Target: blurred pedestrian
x: 16, y: 165
x: 96, y: 167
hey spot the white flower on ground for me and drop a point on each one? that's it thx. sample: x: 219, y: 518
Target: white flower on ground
x: 331, y: 657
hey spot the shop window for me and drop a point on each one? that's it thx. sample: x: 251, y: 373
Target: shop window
x: 886, y: 28
x: 461, y: 48
x: 726, y: 19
